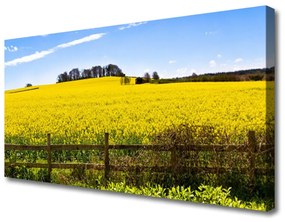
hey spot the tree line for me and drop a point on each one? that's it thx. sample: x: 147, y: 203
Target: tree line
x: 267, y: 74
x: 114, y: 70
x: 94, y: 72
x: 147, y: 79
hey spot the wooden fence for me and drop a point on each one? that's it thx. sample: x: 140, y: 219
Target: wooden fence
x: 252, y: 148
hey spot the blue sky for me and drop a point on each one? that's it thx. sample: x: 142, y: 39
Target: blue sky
x: 213, y: 42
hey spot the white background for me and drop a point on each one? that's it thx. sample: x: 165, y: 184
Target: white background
x: 30, y: 201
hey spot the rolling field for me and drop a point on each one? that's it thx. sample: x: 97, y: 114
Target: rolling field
x: 79, y: 112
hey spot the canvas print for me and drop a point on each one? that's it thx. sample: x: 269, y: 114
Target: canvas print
x: 179, y: 108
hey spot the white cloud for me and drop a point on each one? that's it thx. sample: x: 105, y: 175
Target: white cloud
x: 172, y: 61
x: 219, y: 56
x: 41, y: 54
x: 82, y: 40
x: 131, y: 25
x: 11, y: 48
x: 212, y: 63
x: 238, y: 60
x: 29, y: 58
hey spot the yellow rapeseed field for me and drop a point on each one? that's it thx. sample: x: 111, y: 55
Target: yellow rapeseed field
x: 79, y: 112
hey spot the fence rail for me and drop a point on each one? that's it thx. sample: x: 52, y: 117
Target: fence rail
x: 198, y: 147
x: 253, y: 149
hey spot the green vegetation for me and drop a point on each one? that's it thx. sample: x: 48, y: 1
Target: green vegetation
x: 235, y: 76
x: 231, y: 188
x: 202, y: 194
x: 94, y: 72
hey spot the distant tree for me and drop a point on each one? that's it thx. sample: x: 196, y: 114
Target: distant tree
x: 256, y: 77
x: 70, y: 74
x: 86, y: 73
x: 194, y: 74
x: 107, y: 71
x: 113, y: 70
x: 94, y: 72
x: 100, y: 71
x: 29, y: 85
x: 147, y: 77
x: 97, y: 71
x: 66, y: 77
x: 155, y: 75
x: 125, y: 80
x: 59, y: 78
x: 139, y: 80
x: 74, y: 74
x: 63, y: 77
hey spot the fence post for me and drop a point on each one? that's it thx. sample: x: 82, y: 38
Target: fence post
x: 174, y: 161
x: 49, y: 157
x: 106, y: 157
x: 252, y: 155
